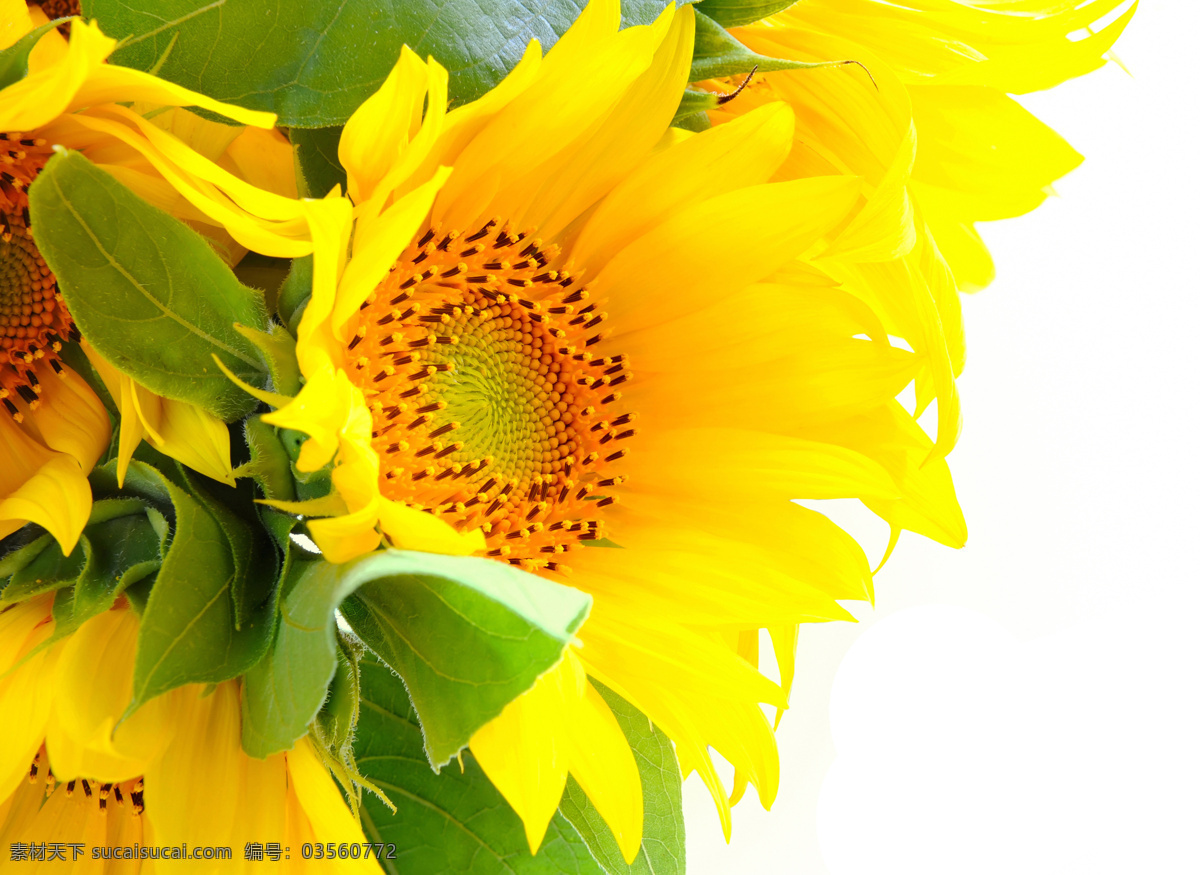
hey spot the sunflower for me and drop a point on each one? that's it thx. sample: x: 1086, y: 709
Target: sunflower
x: 927, y: 121
x: 526, y: 340
x: 53, y: 426
x: 71, y: 769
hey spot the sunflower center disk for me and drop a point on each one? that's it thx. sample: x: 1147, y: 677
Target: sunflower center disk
x: 124, y: 797
x: 489, y: 406
x: 59, y: 8
x: 33, y: 320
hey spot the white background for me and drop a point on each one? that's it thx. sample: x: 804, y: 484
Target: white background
x: 1028, y: 704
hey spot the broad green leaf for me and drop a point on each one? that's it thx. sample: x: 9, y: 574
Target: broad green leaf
x: 251, y: 578
x: 317, y: 166
x: 187, y: 633
x: 717, y: 54
x: 734, y: 13
x: 455, y: 822
x: 468, y: 635
x: 14, y: 61
x: 662, y: 851
x: 313, y: 63
x: 146, y: 291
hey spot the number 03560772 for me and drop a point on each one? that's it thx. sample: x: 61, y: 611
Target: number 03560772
x: 345, y: 851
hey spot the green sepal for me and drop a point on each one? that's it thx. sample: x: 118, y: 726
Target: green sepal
x: 278, y: 351
x: 693, y: 103
x: 120, y: 548
x: 295, y: 292
x: 334, y: 726
x: 146, y: 291
x: 317, y: 167
x: 735, y: 13
x: 263, y: 273
x: 455, y: 821
x: 662, y: 851
x: 18, y: 550
x: 100, y: 560
x: 123, y: 551
x: 309, y: 484
x: 333, y: 730
x: 269, y: 465
x: 314, y: 63
x: 47, y: 569
x: 718, y: 54
x: 14, y: 61
x: 467, y: 634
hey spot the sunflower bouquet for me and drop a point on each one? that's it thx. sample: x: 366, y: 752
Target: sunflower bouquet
x: 405, y: 404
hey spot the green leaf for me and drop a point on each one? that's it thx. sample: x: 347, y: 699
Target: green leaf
x: 317, y: 165
x: 283, y: 693
x: 313, y: 63
x: 734, y: 13
x: 146, y: 291
x: 14, y: 61
x: 662, y: 851
x: 468, y: 635
x: 453, y: 822
x: 188, y: 632
x: 255, y: 560
x: 717, y: 54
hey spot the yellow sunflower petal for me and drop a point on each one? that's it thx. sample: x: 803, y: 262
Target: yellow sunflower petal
x: 71, y: 419
x: 41, y: 486
x: 520, y: 753
x: 324, y: 806
x: 25, y: 695
x: 86, y: 736
x: 46, y: 93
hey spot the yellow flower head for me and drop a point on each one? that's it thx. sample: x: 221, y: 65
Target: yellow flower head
x: 928, y: 124
x: 949, y: 66
x: 53, y: 428
x: 539, y: 350
x: 73, y: 769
